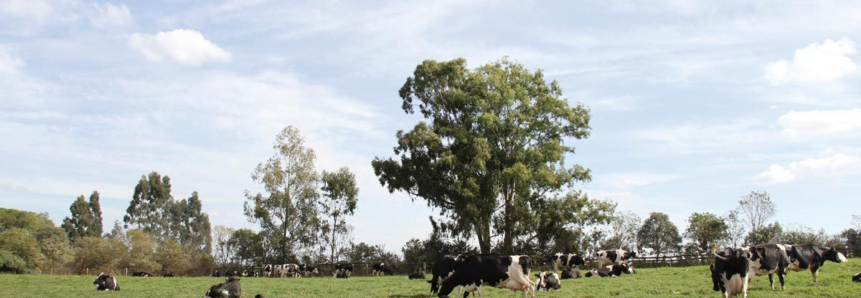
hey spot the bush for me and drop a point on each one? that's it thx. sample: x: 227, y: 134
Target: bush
x: 9, y: 262
x: 22, y: 244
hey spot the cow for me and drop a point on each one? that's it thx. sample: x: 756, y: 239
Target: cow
x: 443, y: 268
x: 141, y: 274
x: 215, y: 274
x: 857, y: 277
x: 501, y: 271
x: 342, y: 274
x: 614, y: 256
x: 812, y: 257
x: 566, y: 260
x: 169, y: 274
x: 571, y: 273
x: 547, y: 281
x: 380, y: 269
x: 308, y: 270
x: 229, y: 289
x: 418, y: 274
x: 267, y: 270
x: 768, y: 259
x: 106, y: 282
x: 290, y: 270
x: 276, y: 270
x: 611, y: 271
x: 730, y: 271
x: 343, y: 270
x: 258, y: 296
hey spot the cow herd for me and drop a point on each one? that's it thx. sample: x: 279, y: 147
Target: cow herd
x: 734, y: 268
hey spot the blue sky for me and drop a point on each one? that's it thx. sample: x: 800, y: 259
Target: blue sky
x: 694, y: 103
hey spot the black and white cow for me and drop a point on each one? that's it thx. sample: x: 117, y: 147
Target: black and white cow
x: 547, y: 281
x: 277, y: 270
x: 569, y: 273
x: 501, y: 271
x: 812, y: 257
x: 730, y: 271
x: 611, y: 271
x: 106, y: 282
x: 343, y: 270
x: 215, y: 274
x: 418, y: 274
x: 857, y: 277
x: 141, y: 274
x: 291, y: 270
x: 229, y: 289
x: 380, y: 269
x: 614, y: 256
x: 267, y: 270
x: 768, y: 259
x: 308, y: 270
x: 566, y: 260
x: 168, y: 274
x: 443, y: 268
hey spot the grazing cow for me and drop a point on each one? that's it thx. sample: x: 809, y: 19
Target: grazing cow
x: 291, y: 270
x: 611, y: 271
x: 380, y: 269
x: 614, y: 256
x: 267, y: 270
x: 566, y: 260
x: 547, y: 281
x: 857, y: 277
x: 730, y: 271
x: 812, y: 257
x: 501, y: 271
x: 569, y: 273
x: 308, y: 270
x: 106, y: 282
x: 418, y: 274
x: 343, y: 270
x: 169, y: 274
x: 768, y: 259
x: 229, y: 289
x: 141, y: 274
x: 443, y: 268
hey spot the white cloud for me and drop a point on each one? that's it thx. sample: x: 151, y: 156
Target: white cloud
x: 36, y: 9
x: 823, y: 62
x: 631, y: 180
x: 780, y: 174
x: 184, y: 46
x: 9, y: 64
x: 110, y: 15
x: 817, y: 123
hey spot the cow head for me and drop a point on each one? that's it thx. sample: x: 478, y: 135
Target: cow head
x: 628, y: 255
x: 717, y: 283
x: 547, y: 281
x: 857, y: 277
x: 833, y: 255
x: 631, y: 269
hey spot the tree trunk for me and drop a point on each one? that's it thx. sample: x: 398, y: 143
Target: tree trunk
x: 334, y: 227
x: 508, y: 229
x: 483, y: 235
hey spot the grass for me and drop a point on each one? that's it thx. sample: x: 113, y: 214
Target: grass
x: 834, y: 281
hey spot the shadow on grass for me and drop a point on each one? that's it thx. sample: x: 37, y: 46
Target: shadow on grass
x: 410, y: 296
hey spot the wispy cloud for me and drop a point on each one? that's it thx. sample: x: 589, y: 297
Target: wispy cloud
x: 185, y: 46
x: 109, y: 15
x: 37, y: 9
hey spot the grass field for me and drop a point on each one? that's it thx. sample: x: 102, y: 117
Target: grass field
x: 834, y: 281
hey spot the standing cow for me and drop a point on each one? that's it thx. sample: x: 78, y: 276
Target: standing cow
x: 509, y: 272
x: 444, y: 267
x: 730, y: 271
x: 614, y: 256
x: 106, y: 282
x: 769, y: 259
x: 812, y: 257
x: 343, y: 270
x: 566, y: 260
x: 267, y: 270
x: 380, y: 269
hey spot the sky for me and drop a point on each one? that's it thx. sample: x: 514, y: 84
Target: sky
x: 694, y: 103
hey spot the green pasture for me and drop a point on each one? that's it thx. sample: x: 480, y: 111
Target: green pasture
x: 834, y: 281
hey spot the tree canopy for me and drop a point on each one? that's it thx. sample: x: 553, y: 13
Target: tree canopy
x: 86, y: 218
x: 659, y: 235
x: 705, y: 229
x: 340, y: 195
x: 492, y: 148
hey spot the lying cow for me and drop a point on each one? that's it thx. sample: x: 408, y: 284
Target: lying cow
x: 547, y: 281
x: 730, y: 271
x: 444, y: 267
x: 380, y: 269
x: 857, y: 277
x: 611, y: 271
x: 812, y: 257
x: 614, y: 256
x: 508, y: 272
x: 571, y: 273
x: 168, y: 274
x: 566, y: 260
x: 106, y: 282
x: 418, y: 274
x: 229, y: 289
x: 768, y: 259
x: 141, y: 274
x: 343, y: 270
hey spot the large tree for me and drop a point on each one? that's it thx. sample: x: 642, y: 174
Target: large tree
x: 189, y: 225
x: 149, y: 209
x: 288, y: 213
x: 493, y: 146
x: 659, y: 235
x: 340, y: 198
x: 705, y: 229
x: 86, y: 219
x: 623, y: 231
x: 756, y: 209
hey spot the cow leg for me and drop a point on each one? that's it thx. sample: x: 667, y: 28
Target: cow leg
x: 781, y: 276
x: 771, y: 280
x: 815, y: 271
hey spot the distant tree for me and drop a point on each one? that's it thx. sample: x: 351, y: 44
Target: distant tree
x: 414, y: 253
x: 117, y: 232
x: 803, y: 235
x: 224, y: 251
x: 149, y: 209
x: 189, y: 225
x: 735, y: 228
x: 561, y: 223
x: 173, y: 257
x: 99, y: 254
x: 54, y: 245
x: 659, y: 235
x: 9, y: 262
x: 23, y: 244
x: 756, y: 209
x: 288, y: 213
x: 247, y: 247
x: 623, y: 230
x: 852, y: 238
x: 705, y: 229
x: 86, y: 219
x: 771, y: 233
x: 493, y: 146
x: 30, y: 221
x: 340, y: 198
x: 142, y: 248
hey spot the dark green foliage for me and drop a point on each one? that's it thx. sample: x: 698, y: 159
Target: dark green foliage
x: 99, y: 254
x: 86, y: 219
x: 9, y: 262
x: 340, y: 198
x: 659, y: 235
x: 493, y: 146
x: 247, y: 247
x: 852, y: 238
x: 771, y: 233
x: 150, y: 206
x: 705, y: 229
x: 11, y: 218
x: 23, y: 244
x: 189, y: 225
